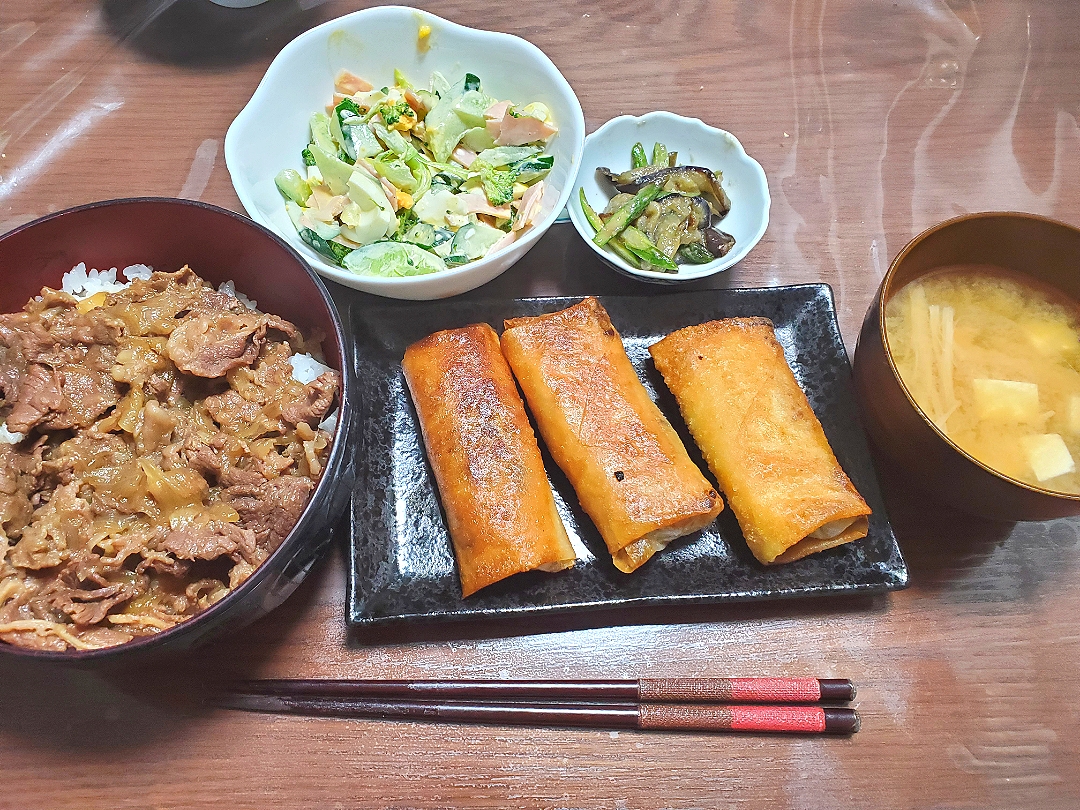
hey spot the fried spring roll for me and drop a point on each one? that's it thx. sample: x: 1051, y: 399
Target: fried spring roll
x: 760, y: 438
x: 499, y: 507
x: 628, y: 467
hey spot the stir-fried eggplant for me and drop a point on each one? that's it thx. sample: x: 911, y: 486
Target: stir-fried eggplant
x: 693, y: 180
x: 674, y: 221
x: 717, y: 242
x: 663, y: 213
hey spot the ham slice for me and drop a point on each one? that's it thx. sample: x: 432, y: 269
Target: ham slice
x: 503, y: 242
x: 494, y: 116
x: 391, y: 192
x: 476, y: 202
x: 523, y: 130
x: 463, y: 156
x: 348, y: 83
x: 529, y: 207
x: 510, y: 130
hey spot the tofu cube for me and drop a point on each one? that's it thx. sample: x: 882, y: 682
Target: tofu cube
x: 1006, y: 400
x: 1047, y: 455
x: 1052, y: 338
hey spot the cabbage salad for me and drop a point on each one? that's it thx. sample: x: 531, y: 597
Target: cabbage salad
x: 402, y: 181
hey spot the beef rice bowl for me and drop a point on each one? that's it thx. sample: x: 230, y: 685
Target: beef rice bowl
x: 159, y: 439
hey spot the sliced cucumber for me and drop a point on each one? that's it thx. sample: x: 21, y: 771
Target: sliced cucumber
x: 325, y: 230
x: 421, y: 234
x: 359, y: 139
x: 444, y: 238
x: 475, y: 239
x: 470, y: 107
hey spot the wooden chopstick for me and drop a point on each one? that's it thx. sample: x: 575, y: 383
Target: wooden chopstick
x: 787, y: 719
x: 646, y: 690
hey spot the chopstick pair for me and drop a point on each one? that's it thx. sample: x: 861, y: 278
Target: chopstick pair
x: 778, y: 705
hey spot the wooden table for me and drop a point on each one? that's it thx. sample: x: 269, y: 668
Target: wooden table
x: 873, y: 121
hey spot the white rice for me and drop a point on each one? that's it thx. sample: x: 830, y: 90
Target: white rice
x: 7, y: 437
x: 306, y: 368
x: 82, y: 283
x: 137, y: 271
x: 329, y: 424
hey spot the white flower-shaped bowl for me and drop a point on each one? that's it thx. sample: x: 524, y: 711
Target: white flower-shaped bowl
x: 271, y: 131
x: 698, y: 144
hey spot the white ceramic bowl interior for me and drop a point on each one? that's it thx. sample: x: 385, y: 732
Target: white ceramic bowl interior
x: 270, y: 132
x: 698, y: 144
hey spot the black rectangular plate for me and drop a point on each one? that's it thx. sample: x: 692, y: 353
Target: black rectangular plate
x: 401, y: 561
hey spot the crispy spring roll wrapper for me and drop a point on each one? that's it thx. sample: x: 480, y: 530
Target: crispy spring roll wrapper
x: 760, y: 438
x: 499, y: 507
x: 628, y: 467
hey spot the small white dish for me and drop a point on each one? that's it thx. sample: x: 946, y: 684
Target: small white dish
x: 270, y: 132
x: 698, y: 144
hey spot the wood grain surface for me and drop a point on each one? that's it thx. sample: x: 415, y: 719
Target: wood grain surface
x: 872, y: 120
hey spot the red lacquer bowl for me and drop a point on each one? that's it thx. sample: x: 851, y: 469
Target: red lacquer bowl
x: 218, y: 245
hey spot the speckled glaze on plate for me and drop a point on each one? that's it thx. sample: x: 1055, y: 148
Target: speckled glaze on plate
x: 402, y: 565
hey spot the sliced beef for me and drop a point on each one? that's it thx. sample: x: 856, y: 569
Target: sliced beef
x: 273, y: 372
x: 19, y: 470
x: 281, y: 325
x: 87, y: 395
x: 164, y: 386
x: 12, y: 365
x: 208, y: 541
x: 209, y: 344
x: 54, y: 367
x: 37, y: 395
x: 243, y: 481
x: 165, y: 299
x: 57, y: 529
x: 314, y: 406
x: 203, y: 458
x: 86, y: 607
x: 175, y: 568
x: 68, y: 396
x: 69, y: 327
x: 87, y: 568
x: 30, y: 640
x: 49, y: 333
x: 272, y: 509
x: 38, y: 344
x: 105, y: 636
x: 209, y: 455
x: 194, y: 389
x: 232, y: 411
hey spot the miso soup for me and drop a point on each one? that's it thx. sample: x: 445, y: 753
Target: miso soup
x: 994, y: 361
